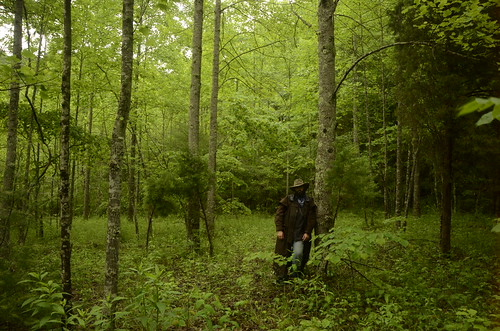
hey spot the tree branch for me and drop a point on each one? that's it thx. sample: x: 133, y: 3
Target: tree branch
x: 249, y: 51
x: 401, y: 43
x: 309, y: 25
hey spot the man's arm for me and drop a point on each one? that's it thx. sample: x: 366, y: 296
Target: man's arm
x: 279, y: 219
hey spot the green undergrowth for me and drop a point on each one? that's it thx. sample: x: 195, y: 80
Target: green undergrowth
x: 360, y: 277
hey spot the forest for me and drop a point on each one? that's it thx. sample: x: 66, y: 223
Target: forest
x: 145, y: 145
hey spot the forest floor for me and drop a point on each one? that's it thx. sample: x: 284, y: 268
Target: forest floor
x: 376, y: 278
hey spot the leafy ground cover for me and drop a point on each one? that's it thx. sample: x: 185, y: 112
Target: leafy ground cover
x: 360, y: 278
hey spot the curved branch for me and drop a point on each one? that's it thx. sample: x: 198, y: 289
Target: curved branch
x: 401, y: 43
x: 246, y: 52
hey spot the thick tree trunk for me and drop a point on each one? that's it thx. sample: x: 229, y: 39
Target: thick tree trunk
x: 117, y: 152
x: 193, y: 212
x: 212, y: 150
x: 64, y: 168
x: 326, y: 114
x: 10, y: 159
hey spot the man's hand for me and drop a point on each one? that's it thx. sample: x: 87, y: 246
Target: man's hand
x: 280, y: 234
x: 306, y: 237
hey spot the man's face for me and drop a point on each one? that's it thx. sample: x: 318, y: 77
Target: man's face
x: 300, y: 189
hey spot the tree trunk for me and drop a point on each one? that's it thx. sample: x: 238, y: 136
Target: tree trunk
x: 38, y: 214
x: 117, y: 151
x: 368, y: 120
x: 355, y: 124
x: 193, y: 212
x: 417, y: 212
x: 34, y: 205
x: 446, y: 185
x: 132, y: 199
x: 132, y: 169
x: 212, y: 150
x: 410, y: 175
x: 384, y: 125
x: 10, y: 159
x: 64, y: 168
x: 86, y: 180
x: 386, y: 157
x: 31, y: 205
x: 408, y: 183
x: 326, y: 114
x: 75, y: 123
x: 399, y: 169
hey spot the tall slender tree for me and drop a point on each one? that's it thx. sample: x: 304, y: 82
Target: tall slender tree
x: 88, y: 165
x: 10, y: 160
x: 212, y: 149
x: 193, y: 213
x: 326, y: 113
x: 117, y: 151
x: 64, y: 168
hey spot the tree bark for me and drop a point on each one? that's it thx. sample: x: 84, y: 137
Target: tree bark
x: 212, y: 149
x: 10, y: 159
x: 193, y: 212
x: 64, y: 168
x: 117, y: 152
x: 326, y: 114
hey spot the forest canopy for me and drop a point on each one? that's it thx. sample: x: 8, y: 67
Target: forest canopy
x: 267, y: 97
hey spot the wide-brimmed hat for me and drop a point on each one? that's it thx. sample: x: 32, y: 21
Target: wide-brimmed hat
x: 299, y: 183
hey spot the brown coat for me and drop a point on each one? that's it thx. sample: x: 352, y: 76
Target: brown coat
x: 284, y: 219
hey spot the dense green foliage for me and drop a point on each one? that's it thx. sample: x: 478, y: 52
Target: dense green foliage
x: 377, y: 278
x: 268, y: 94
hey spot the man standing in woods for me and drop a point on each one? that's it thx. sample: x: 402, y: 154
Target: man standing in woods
x: 295, y: 219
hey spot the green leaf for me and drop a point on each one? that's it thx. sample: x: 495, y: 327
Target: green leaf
x: 380, y: 240
x: 496, y: 112
x: 333, y: 258
x: 485, y: 119
x: 161, y: 307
